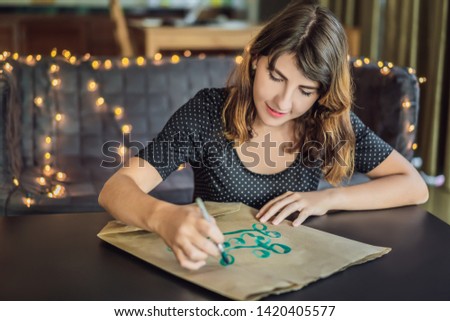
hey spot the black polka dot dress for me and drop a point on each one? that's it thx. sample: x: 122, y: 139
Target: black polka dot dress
x: 194, y: 135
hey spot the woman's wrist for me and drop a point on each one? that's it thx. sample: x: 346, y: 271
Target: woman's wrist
x: 158, y: 212
x: 332, y: 198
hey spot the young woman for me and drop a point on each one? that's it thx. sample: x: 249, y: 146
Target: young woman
x: 283, y: 122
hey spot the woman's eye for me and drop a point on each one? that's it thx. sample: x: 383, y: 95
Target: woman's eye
x: 307, y: 94
x: 274, y: 78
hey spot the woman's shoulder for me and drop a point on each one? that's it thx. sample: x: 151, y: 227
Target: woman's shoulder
x: 206, y: 103
x: 205, y: 106
x: 212, y: 96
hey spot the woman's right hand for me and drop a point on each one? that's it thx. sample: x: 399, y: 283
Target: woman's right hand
x: 191, y: 238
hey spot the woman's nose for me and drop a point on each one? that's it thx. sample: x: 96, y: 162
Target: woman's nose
x: 284, y: 101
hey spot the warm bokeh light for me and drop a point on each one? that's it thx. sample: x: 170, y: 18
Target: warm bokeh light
x: 357, y: 63
x: 39, y: 101
x: 92, y: 85
x: 107, y: 64
x: 140, y: 61
x: 61, y: 176
x: 125, y: 62
x: 126, y: 129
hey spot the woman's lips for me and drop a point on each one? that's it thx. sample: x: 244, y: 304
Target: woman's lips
x: 274, y: 113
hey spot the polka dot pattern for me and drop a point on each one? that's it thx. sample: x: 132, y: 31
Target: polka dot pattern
x: 194, y: 135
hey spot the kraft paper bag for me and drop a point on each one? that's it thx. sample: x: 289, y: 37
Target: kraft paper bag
x: 265, y: 259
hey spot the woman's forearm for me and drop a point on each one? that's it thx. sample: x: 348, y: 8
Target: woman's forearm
x: 123, y: 199
x: 384, y: 192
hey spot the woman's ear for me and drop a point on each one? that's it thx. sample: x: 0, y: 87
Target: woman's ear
x: 254, y: 62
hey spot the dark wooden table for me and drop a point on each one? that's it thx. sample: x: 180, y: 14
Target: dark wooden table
x: 59, y: 257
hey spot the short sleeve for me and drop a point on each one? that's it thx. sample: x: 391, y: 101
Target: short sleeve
x: 180, y: 139
x: 370, y: 150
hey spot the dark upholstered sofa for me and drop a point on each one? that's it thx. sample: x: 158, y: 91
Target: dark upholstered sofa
x: 56, y: 116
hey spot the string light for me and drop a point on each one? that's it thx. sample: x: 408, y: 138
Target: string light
x: 140, y: 61
x: 86, y: 57
x: 422, y: 80
x: 99, y: 101
x: 175, y: 59
x: 125, y: 62
x: 28, y: 201
x: 58, y: 117
x: 47, y: 156
x: 118, y: 112
x: 2, y: 57
x: 30, y: 60
x: 411, y: 128
x: 95, y: 64
x: 92, y: 85
x: 380, y: 64
x: 107, y: 64
x: 357, y: 63
x: 56, y: 82
x: 126, y: 129
x: 38, y: 57
x: 47, y: 170
x: 366, y: 61
x: 39, y: 101
x: 58, y: 191
x: 48, y: 140
x: 414, y: 146
x: 41, y: 181
x: 202, y: 56
x: 122, y: 151
x: 157, y: 56
x: 385, y: 71
x: 6, y: 54
x: 54, y: 68
x: 61, y: 176
x: 406, y: 104
x: 73, y: 60
x: 187, y: 53
x: 412, y: 71
x: 238, y: 59
x: 54, y: 52
x: 390, y: 65
x: 66, y: 53
x: 15, y: 181
x: 15, y: 56
x: 8, y: 67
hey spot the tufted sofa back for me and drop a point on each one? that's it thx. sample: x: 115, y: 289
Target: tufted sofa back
x: 58, y: 113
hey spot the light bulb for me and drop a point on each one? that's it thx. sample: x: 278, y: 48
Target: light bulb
x: 126, y: 129
x: 61, y: 176
x: 39, y: 101
x: 140, y: 61
x: 107, y: 64
x: 238, y: 59
x: 92, y: 85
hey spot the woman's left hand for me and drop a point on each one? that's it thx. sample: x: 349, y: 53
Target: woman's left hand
x: 306, y: 203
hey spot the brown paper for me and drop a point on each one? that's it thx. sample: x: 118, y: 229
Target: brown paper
x: 266, y: 259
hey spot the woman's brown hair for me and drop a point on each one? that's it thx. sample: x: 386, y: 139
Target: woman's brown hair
x: 319, y: 43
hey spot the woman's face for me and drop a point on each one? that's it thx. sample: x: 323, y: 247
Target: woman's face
x: 281, y: 95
